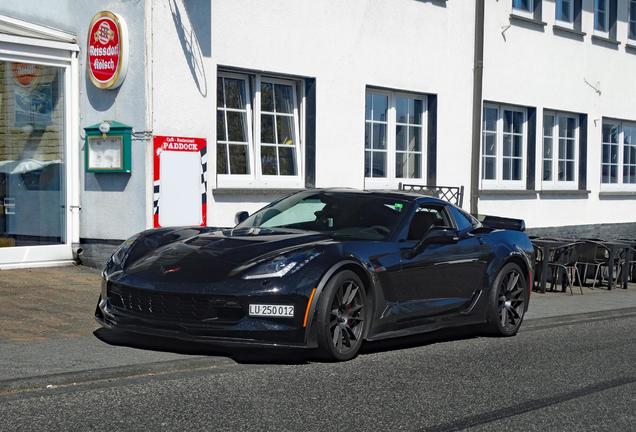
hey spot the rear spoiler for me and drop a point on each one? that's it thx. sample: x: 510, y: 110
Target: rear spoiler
x: 496, y: 222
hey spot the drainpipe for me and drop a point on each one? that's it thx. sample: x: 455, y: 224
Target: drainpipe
x: 478, y: 79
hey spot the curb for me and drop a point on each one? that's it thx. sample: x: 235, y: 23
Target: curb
x: 104, y: 374
x: 547, y: 322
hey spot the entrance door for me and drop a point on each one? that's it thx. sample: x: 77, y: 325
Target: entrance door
x: 33, y: 163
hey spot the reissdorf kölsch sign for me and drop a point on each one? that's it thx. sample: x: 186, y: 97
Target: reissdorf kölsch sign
x: 107, y: 50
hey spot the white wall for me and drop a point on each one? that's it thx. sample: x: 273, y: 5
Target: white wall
x: 182, y: 75
x: 547, y: 70
x: 415, y: 46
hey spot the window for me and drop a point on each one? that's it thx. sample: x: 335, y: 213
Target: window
x: 565, y: 11
x: 232, y: 135
x: 258, y: 131
x: 632, y: 19
x: 346, y: 215
x: 504, y: 137
x: 462, y: 220
x: 618, y: 167
x: 527, y: 9
x: 601, y: 16
x: 523, y: 5
x: 394, y: 138
x: 426, y: 217
x: 560, y: 150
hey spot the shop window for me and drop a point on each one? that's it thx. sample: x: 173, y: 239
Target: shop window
x: 394, y: 137
x: 258, y: 131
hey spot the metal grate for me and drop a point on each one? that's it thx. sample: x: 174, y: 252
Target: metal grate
x: 193, y: 308
x: 452, y: 194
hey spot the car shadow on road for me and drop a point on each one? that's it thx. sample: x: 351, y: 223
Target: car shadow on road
x: 282, y: 356
x: 421, y: 340
x: 239, y: 355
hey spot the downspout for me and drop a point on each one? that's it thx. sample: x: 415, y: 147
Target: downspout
x: 478, y: 79
x: 148, y: 73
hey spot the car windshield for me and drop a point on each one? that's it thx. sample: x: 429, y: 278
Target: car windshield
x: 340, y: 214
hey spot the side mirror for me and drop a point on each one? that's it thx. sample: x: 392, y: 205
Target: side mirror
x: 241, y: 216
x: 435, y: 235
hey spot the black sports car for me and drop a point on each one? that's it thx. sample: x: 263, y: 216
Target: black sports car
x: 323, y: 269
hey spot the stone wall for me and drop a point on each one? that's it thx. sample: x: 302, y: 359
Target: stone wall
x: 600, y: 231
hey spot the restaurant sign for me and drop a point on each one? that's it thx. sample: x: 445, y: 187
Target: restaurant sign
x: 107, y: 50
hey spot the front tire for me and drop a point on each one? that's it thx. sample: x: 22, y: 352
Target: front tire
x: 507, y: 301
x: 342, y: 311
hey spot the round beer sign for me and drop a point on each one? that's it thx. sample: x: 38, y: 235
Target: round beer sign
x: 107, y: 50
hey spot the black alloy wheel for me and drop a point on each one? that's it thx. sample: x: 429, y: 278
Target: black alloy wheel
x: 341, y: 316
x: 508, y: 300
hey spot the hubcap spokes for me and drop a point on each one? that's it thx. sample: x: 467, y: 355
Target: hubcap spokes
x: 511, y: 301
x: 346, y: 317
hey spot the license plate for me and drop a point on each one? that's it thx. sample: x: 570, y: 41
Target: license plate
x: 282, y: 311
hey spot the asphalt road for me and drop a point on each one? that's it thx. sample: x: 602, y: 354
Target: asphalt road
x: 551, y: 377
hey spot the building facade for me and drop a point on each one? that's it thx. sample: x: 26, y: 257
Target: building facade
x: 288, y: 94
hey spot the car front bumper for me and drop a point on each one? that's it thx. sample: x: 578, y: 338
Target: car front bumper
x: 131, y: 313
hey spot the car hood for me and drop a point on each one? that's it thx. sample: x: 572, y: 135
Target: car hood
x: 215, y: 256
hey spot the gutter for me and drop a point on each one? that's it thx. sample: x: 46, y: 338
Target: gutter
x: 478, y: 81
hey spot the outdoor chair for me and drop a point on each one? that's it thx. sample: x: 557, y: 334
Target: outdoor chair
x: 629, y: 263
x: 592, y: 255
x: 563, y: 267
x: 538, y: 265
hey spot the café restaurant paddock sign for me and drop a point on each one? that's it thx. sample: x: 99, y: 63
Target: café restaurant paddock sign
x: 107, y: 51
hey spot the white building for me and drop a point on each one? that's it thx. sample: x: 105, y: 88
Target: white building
x: 293, y: 94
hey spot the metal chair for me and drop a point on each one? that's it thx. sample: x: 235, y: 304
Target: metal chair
x: 563, y: 267
x: 591, y: 253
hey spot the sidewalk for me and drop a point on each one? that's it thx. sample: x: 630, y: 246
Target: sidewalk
x: 47, y: 325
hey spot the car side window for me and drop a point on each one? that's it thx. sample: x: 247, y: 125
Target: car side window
x: 463, y: 223
x: 425, y: 217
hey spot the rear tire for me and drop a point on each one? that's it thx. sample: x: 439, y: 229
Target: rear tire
x: 507, y: 301
x: 342, y: 312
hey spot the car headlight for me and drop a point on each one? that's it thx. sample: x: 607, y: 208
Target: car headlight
x: 281, y: 265
x: 120, y: 254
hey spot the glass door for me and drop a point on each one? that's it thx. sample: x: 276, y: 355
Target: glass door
x: 33, y: 198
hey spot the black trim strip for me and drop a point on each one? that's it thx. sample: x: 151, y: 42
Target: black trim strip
x: 583, y: 152
x: 310, y: 133
x: 531, y: 148
x: 431, y: 151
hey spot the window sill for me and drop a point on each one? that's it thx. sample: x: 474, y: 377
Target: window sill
x: 564, y: 192
x: 254, y: 191
x: 602, y: 40
x: 520, y: 19
x: 508, y: 192
x: 567, y: 31
x: 630, y: 47
x: 617, y: 194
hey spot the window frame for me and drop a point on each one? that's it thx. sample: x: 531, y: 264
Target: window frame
x: 532, y: 4
x: 562, y: 23
x: 249, y: 132
x: 631, y: 6
x: 619, y: 186
x: 391, y: 181
x: 603, y: 33
x: 555, y: 183
x: 256, y: 179
x: 499, y: 182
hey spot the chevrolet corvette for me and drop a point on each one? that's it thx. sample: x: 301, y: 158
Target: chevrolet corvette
x: 325, y: 270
